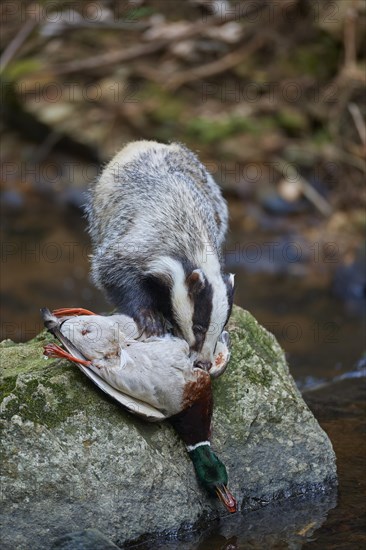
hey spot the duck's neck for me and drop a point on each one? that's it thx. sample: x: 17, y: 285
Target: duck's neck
x: 192, y: 448
x: 202, y: 458
x: 193, y: 424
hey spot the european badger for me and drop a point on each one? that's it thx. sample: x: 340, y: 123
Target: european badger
x: 157, y: 222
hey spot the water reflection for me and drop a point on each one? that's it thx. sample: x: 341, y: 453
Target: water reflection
x: 288, y: 524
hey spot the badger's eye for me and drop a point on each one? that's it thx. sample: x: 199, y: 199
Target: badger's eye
x: 199, y: 328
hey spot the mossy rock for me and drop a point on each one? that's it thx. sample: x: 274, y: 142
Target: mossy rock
x: 73, y: 459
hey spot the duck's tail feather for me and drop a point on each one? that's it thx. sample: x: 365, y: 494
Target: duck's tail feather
x: 50, y: 321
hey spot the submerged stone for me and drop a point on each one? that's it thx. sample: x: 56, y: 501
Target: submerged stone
x: 73, y: 459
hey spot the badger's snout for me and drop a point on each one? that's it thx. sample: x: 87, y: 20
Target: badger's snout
x: 204, y: 365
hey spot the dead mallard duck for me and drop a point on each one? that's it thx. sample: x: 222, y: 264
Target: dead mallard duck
x: 154, y: 378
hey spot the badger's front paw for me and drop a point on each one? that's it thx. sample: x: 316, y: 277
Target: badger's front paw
x: 150, y: 323
x: 222, y: 355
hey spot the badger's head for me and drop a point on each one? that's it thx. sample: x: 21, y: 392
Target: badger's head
x: 201, y: 303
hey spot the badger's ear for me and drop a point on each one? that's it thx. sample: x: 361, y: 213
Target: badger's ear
x: 195, y: 281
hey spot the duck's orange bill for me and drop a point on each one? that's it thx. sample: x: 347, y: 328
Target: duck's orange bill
x: 71, y: 312
x: 53, y: 350
x: 227, y: 498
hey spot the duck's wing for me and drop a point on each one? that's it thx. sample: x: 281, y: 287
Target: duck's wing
x: 132, y: 404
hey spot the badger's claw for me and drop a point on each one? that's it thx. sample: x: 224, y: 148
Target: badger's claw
x: 222, y: 355
x: 150, y: 323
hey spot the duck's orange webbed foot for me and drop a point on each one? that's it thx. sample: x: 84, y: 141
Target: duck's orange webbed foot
x: 53, y: 350
x: 71, y: 312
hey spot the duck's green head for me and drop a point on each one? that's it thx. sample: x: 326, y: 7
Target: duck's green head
x: 212, y: 474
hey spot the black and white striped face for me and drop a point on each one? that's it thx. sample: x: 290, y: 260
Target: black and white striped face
x: 212, y: 299
x: 201, y: 303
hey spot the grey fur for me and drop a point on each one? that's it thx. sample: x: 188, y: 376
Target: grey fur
x: 152, y: 201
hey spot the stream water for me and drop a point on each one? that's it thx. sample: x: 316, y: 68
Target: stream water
x: 45, y: 263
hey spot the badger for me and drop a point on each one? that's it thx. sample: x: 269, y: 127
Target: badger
x: 157, y: 222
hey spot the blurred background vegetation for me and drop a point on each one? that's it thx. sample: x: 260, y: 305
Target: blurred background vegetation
x: 270, y: 94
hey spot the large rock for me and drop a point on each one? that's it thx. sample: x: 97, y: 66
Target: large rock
x: 73, y: 459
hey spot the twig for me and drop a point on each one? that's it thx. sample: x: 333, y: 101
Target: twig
x: 328, y: 153
x: 135, y: 52
x: 350, y: 37
x: 215, y: 67
x: 55, y: 29
x: 343, y: 156
x: 16, y: 43
x: 290, y: 172
x: 358, y: 120
x: 109, y: 58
